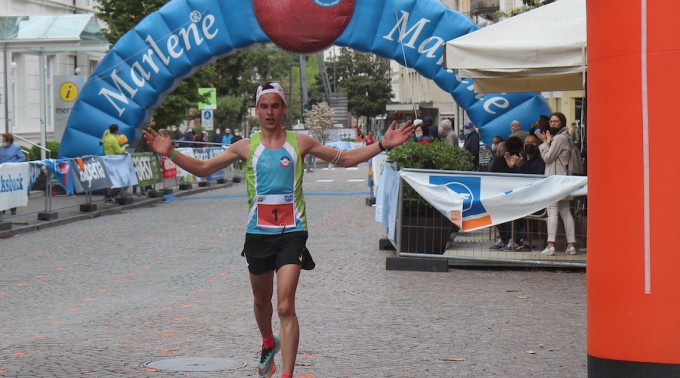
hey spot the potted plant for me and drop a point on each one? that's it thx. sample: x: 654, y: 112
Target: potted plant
x: 423, y: 228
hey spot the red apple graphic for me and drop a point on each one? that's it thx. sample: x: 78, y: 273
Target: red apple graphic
x: 304, y: 26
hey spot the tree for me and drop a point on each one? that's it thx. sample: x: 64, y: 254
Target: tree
x: 122, y: 16
x: 365, y: 78
x: 230, y: 111
x: 320, y: 120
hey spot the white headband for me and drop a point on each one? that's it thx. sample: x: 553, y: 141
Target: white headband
x: 275, y: 88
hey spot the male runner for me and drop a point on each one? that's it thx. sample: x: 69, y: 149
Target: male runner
x: 277, y: 225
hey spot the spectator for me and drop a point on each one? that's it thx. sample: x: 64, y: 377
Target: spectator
x: 370, y: 139
x: 10, y: 153
x: 555, y: 151
x: 445, y: 132
x: 226, y: 139
x: 497, y: 140
x: 421, y: 134
x: 237, y: 136
x: 112, y: 147
x: 517, y: 131
x: 188, y: 137
x: 217, y: 138
x: 543, y: 124
x: 471, y: 144
x: 532, y: 163
x: 431, y: 129
x: 198, y: 139
x: 177, y: 135
x: 508, y: 152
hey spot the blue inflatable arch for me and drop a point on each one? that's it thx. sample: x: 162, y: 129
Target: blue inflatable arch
x: 169, y: 45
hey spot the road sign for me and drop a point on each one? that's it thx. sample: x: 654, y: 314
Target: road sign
x: 207, y: 119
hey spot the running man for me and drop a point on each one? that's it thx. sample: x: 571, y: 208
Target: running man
x: 277, y: 225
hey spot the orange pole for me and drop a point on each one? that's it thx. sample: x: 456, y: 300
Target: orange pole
x: 633, y: 163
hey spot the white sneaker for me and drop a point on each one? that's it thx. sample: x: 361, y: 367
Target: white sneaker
x: 571, y: 251
x: 549, y: 251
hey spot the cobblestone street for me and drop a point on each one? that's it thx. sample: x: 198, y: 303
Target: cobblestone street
x: 106, y: 296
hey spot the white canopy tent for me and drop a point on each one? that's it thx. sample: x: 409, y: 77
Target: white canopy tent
x: 540, y: 50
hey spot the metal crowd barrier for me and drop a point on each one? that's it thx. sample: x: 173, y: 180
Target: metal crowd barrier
x: 421, y: 232
x: 89, y: 201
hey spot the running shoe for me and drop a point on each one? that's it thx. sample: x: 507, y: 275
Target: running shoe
x: 549, y: 251
x: 498, y: 246
x: 266, y: 368
x: 571, y: 251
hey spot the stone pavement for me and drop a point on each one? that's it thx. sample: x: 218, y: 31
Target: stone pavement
x: 122, y: 294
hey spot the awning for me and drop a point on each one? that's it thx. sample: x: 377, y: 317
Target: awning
x: 53, y: 34
x: 543, y: 49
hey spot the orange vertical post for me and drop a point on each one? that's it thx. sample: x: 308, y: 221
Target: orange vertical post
x: 634, y: 185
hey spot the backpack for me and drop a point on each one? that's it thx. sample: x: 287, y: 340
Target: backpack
x: 575, y: 164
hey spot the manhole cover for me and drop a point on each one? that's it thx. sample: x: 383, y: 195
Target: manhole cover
x: 196, y: 364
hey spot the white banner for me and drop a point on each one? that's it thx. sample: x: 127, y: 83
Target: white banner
x: 387, y: 200
x: 181, y: 173
x: 120, y: 169
x: 378, y: 163
x: 14, y: 181
x: 476, y: 201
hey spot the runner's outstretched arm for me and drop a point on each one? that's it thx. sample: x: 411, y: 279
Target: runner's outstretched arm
x: 393, y: 138
x: 162, y: 144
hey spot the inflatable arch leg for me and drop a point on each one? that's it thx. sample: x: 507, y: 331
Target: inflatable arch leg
x: 633, y: 259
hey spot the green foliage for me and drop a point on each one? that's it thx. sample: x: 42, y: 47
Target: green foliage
x: 230, y: 110
x: 437, y: 155
x: 34, y: 152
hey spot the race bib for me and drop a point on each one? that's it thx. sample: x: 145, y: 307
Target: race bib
x: 276, y: 211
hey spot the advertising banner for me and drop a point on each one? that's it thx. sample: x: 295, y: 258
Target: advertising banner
x: 476, y: 201
x: 14, y: 181
x: 120, y: 170
x: 147, y: 169
x: 90, y: 174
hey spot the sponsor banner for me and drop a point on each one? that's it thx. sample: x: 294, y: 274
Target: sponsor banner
x: 90, y: 174
x: 14, y: 180
x: 147, y: 168
x: 120, y: 170
x: 61, y: 169
x: 169, y: 168
x: 387, y: 201
x: 377, y: 166
x: 181, y: 173
x: 476, y: 201
x: 219, y: 175
x: 34, y: 171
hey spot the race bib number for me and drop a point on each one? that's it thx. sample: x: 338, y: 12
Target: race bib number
x: 276, y: 211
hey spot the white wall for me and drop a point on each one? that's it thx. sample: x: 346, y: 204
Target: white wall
x: 23, y: 99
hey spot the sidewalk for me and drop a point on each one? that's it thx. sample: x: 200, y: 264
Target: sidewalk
x: 67, y: 209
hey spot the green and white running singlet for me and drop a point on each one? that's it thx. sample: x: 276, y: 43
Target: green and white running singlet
x: 274, y: 184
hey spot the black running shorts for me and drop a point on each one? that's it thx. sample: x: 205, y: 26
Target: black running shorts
x: 266, y: 253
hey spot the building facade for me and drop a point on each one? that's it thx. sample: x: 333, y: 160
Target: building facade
x: 20, y: 110
x: 416, y: 96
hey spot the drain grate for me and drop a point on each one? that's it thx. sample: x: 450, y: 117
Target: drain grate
x: 195, y: 364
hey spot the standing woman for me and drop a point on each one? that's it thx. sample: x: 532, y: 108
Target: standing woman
x: 555, y: 151
x: 10, y: 153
